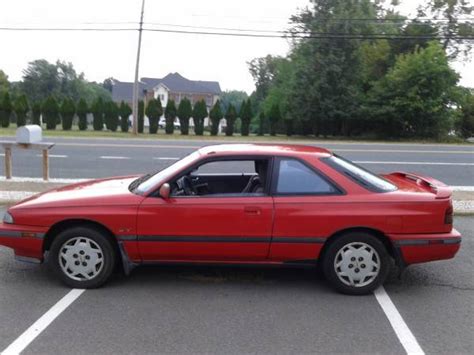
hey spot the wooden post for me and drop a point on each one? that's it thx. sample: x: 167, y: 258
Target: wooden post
x: 45, y: 164
x: 8, y: 162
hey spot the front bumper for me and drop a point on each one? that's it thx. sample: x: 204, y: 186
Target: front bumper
x: 420, y: 248
x: 26, y: 241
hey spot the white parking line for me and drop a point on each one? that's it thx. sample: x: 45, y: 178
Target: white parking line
x: 53, y: 155
x: 166, y: 158
x: 410, y: 163
x: 112, y: 157
x: 41, y: 324
x: 404, y: 334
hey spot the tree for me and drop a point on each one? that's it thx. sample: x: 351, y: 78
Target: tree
x: 5, y: 110
x: 36, y: 113
x: 261, y: 123
x: 215, y: 115
x: 465, y: 121
x: 234, y: 97
x: 199, y: 114
x: 111, y: 116
x: 21, y: 108
x: 42, y: 79
x: 50, y: 112
x: 124, y: 111
x: 230, y: 117
x: 245, y: 116
x: 141, y: 116
x: 154, y: 111
x: 415, y: 98
x: 185, y: 111
x: 97, y: 110
x: 275, y: 117
x: 170, y: 116
x: 108, y: 84
x: 67, y: 110
x: 82, y: 111
x: 4, y: 84
x: 450, y: 21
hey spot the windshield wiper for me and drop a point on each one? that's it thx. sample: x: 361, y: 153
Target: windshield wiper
x: 137, y: 182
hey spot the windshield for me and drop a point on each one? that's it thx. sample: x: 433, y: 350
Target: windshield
x: 163, y: 175
x: 360, y: 175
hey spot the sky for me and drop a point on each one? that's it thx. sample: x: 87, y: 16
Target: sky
x: 112, y: 54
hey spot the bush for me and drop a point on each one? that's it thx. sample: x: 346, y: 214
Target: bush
x: 215, y: 115
x: 5, y: 110
x: 50, y: 112
x: 274, y: 116
x: 21, y: 109
x: 170, y: 116
x: 245, y: 117
x: 124, y: 111
x: 111, y: 116
x: 68, y: 110
x: 82, y: 111
x: 36, y: 113
x: 261, y: 124
x: 97, y: 110
x: 185, y: 111
x: 199, y: 114
x: 141, y: 116
x: 465, y: 122
x: 230, y: 117
x: 154, y: 110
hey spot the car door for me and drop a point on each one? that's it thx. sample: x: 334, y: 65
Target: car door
x: 305, y: 205
x: 225, y: 227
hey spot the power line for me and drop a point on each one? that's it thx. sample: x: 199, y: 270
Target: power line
x: 285, y: 35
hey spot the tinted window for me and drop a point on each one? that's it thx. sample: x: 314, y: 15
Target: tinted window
x: 227, y: 167
x: 295, y: 177
x: 360, y: 175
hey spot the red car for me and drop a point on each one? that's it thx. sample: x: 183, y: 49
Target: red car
x: 240, y: 204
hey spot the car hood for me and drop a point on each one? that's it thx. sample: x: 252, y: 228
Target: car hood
x: 110, y: 191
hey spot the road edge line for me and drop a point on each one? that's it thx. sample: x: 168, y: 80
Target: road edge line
x: 404, y: 334
x: 42, y: 323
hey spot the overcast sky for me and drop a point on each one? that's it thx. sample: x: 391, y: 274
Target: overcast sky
x: 104, y: 54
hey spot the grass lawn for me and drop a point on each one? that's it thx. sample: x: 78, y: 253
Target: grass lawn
x: 76, y: 133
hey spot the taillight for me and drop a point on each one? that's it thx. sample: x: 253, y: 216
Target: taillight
x: 448, y: 216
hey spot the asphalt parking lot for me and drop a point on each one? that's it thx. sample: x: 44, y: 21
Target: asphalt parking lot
x: 241, y: 310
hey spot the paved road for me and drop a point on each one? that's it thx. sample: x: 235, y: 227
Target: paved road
x: 228, y: 310
x: 90, y: 158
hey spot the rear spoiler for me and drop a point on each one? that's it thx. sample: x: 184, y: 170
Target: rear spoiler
x: 437, y: 187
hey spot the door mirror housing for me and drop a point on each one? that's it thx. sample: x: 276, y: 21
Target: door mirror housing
x: 165, y: 190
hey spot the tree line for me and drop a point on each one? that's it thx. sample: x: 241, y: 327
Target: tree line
x: 112, y: 116
x: 379, y: 75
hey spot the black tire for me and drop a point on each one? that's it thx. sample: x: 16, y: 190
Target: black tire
x: 344, y: 241
x: 106, y: 251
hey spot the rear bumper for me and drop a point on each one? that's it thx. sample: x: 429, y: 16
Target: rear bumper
x: 26, y: 241
x: 420, y: 248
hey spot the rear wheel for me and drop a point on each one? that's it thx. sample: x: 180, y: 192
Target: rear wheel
x: 82, y: 257
x: 356, y: 263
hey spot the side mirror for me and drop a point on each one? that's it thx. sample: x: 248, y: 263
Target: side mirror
x: 165, y: 190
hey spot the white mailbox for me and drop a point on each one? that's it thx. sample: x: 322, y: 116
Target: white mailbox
x: 29, y: 134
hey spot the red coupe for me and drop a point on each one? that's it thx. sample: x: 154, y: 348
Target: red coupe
x: 240, y: 204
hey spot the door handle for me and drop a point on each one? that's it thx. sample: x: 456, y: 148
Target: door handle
x: 252, y: 210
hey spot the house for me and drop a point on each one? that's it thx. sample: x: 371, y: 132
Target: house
x: 172, y: 87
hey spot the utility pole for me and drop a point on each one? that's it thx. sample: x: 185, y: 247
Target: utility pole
x: 135, y: 84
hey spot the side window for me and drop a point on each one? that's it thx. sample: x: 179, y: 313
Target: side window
x: 296, y: 178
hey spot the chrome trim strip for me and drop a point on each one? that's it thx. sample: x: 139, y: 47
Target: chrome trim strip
x: 27, y: 259
x: 213, y: 239
x: 18, y: 234
x: 413, y: 242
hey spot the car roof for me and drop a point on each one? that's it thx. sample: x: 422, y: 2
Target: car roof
x: 266, y: 149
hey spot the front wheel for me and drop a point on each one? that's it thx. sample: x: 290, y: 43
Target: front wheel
x: 82, y: 257
x: 356, y: 263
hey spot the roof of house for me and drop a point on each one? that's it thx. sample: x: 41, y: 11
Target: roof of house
x: 177, y: 83
x: 173, y: 81
x: 123, y: 91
